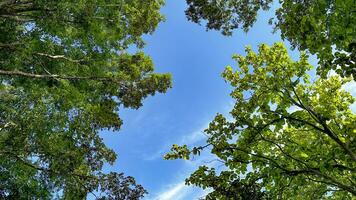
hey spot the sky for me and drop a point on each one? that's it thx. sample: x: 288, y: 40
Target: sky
x: 196, y: 59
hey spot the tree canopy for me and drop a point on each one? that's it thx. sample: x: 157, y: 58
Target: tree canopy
x: 289, y: 137
x: 67, y: 68
x: 64, y: 75
x: 322, y: 27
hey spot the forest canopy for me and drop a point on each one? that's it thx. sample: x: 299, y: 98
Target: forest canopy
x: 69, y: 68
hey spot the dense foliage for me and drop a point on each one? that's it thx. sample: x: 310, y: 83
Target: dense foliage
x: 225, y: 15
x: 326, y: 28
x: 64, y: 74
x: 289, y: 137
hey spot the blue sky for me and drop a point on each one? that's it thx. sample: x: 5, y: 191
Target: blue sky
x: 195, y: 58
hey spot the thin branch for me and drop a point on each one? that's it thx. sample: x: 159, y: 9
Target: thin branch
x: 59, y: 57
x: 54, y: 76
x: 283, y: 152
x: 350, y: 189
x: 16, y: 18
x: 10, y: 45
x: 325, y: 130
x: 337, y: 140
x: 34, y: 166
x: 300, y: 120
x: 314, y: 171
x: 322, y: 122
x: 214, y: 160
x: 301, y: 105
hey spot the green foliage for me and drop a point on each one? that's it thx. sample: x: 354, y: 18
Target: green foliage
x: 323, y: 27
x: 64, y: 74
x: 179, y: 152
x: 326, y: 28
x: 290, y: 138
x: 225, y: 15
x: 226, y: 185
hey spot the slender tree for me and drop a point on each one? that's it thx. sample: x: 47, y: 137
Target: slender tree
x: 64, y: 74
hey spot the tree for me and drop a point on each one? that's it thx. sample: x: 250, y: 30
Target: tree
x: 326, y: 28
x: 64, y: 74
x: 290, y: 137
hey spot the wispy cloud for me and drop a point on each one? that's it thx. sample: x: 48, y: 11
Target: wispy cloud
x: 195, y: 136
x: 189, y: 139
x: 180, y: 191
x: 177, y: 191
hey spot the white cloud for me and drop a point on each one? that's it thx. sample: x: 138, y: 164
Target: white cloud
x: 189, y: 139
x: 192, y: 138
x: 177, y: 192
x: 201, y: 194
x: 157, y: 155
x: 180, y: 191
x: 195, y: 136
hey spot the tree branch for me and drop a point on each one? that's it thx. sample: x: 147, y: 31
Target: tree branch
x: 59, y: 57
x: 321, y: 121
x: 54, y: 76
x: 10, y: 45
x: 314, y: 171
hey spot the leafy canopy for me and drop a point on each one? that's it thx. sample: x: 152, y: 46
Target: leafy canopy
x: 326, y: 28
x: 290, y: 137
x: 64, y: 74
